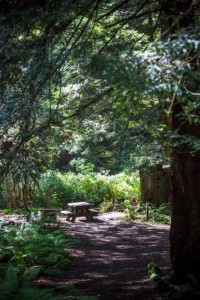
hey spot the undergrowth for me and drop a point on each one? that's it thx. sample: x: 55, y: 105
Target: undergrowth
x: 29, y: 250
x: 171, y: 288
x: 138, y: 211
x: 26, y: 252
x: 57, y: 189
x: 33, y: 245
x: 154, y: 214
x: 17, y: 287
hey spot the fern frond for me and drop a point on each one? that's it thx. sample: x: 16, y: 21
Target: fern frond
x: 34, y: 294
x: 9, y: 284
x: 30, y: 275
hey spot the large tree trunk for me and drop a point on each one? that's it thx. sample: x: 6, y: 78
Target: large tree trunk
x: 185, y: 227
x: 185, y: 177
x: 155, y: 185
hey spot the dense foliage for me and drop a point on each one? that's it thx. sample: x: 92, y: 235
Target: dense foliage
x: 32, y: 245
x: 26, y: 252
x: 32, y: 249
x: 83, y: 79
x: 57, y: 189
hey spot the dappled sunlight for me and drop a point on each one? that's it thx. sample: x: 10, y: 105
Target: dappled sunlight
x: 112, y: 257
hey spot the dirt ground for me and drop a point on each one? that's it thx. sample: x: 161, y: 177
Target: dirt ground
x: 112, y: 256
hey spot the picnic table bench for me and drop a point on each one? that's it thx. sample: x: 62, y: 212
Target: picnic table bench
x: 48, y: 212
x: 79, y: 209
x: 13, y: 220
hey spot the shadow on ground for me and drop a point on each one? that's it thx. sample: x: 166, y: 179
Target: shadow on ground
x: 111, y: 258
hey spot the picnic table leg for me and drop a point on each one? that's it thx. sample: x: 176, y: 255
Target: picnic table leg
x: 73, y: 219
x: 89, y: 218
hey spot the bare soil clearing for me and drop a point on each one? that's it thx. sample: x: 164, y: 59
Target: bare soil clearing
x: 111, y: 258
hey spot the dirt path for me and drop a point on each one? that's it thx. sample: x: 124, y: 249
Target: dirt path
x: 111, y: 258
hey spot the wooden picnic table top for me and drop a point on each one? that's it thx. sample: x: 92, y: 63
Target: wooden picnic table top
x: 80, y: 204
x: 48, y: 209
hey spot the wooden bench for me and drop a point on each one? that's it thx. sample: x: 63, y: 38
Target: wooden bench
x: 47, y: 212
x: 5, y: 223
x: 94, y: 212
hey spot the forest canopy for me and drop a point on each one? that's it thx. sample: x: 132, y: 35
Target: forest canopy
x: 70, y: 66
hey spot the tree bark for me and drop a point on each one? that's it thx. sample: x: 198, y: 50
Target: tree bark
x: 185, y: 227
x: 185, y: 171
x: 155, y: 185
x: 185, y: 177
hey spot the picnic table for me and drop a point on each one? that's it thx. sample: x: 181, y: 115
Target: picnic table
x: 7, y: 220
x: 47, y: 212
x: 79, y: 209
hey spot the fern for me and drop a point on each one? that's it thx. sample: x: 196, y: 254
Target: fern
x: 9, y: 284
x: 27, y: 251
x: 12, y: 287
x: 30, y: 275
x: 32, y: 245
x: 86, y: 298
x: 32, y: 293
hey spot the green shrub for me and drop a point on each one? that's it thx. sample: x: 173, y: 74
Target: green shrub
x: 107, y: 206
x: 128, y: 207
x: 26, y: 252
x: 14, y: 287
x: 57, y: 189
x: 133, y: 210
x: 159, y: 214
x: 32, y: 245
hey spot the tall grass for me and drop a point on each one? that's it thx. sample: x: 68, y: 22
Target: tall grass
x: 57, y: 189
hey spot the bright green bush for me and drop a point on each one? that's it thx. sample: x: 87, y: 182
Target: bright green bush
x: 57, y: 189
x: 128, y: 207
x: 138, y: 211
x: 107, y: 206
